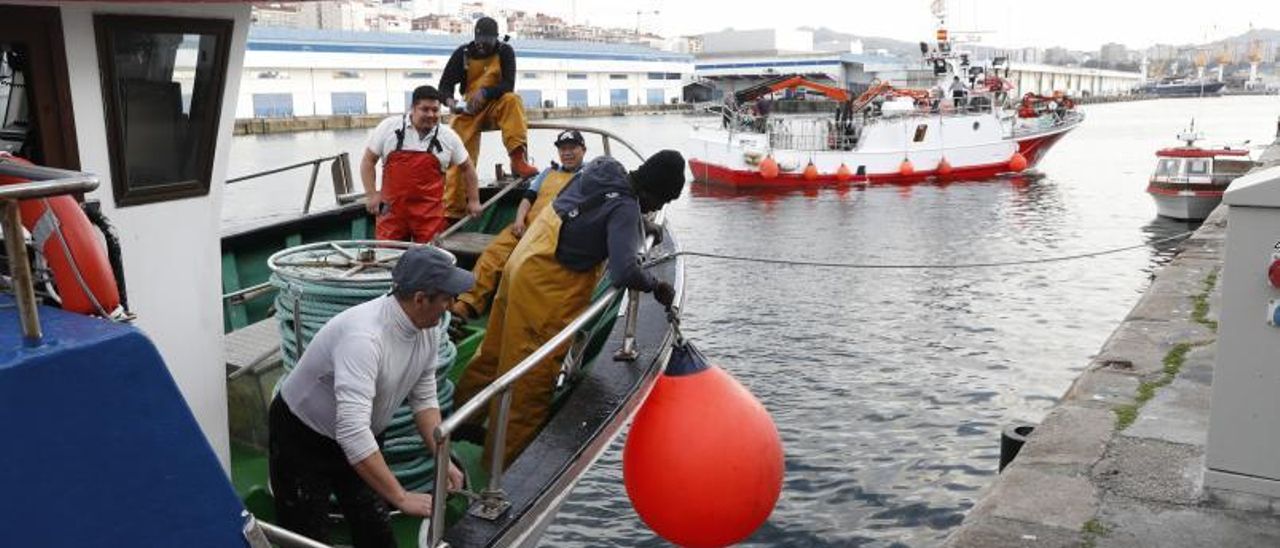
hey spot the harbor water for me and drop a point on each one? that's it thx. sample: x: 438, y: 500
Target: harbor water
x: 889, y: 387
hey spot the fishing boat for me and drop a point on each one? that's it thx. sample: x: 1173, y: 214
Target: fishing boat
x: 1189, y: 180
x: 964, y: 128
x: 1182, y: 87
x: 149, y: 400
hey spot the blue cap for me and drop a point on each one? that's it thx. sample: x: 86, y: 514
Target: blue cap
x: 426, y: 268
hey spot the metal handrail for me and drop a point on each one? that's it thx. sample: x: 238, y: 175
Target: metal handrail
x: 501, y: 387
x: 44, y: 182
x: 311, y: 186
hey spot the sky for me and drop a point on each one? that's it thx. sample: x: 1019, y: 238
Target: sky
x: 1077, y: 25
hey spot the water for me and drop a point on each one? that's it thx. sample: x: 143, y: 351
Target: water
x: 889, y: 388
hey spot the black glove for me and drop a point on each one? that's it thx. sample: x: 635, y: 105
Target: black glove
x: 664, y: 293
x: 653, y: 229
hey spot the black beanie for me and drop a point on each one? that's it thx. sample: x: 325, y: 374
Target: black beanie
x: 486, y: 26
x: 662, y: 175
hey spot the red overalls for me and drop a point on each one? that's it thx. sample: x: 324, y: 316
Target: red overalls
x: 412, y: 192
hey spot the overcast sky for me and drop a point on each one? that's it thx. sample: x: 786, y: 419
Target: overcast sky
x: 1077, y: 24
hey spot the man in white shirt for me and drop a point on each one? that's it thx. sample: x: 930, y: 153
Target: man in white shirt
x: 416, y: 151
x: 327, y: 419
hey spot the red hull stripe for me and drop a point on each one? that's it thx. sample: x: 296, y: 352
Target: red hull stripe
x: 1199, y: 152
x: 1176, y: 192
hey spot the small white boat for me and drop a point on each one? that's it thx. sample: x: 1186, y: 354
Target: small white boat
x: 1189, y: 180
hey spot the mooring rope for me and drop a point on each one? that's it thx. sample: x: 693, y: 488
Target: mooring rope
x: 907, y: 266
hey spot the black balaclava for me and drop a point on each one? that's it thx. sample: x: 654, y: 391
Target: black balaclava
x: 659, y: 180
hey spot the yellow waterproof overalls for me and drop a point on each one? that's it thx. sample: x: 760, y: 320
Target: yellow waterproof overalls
x: 505, y: 113
x: 489, y: 265
x: 537, y: 297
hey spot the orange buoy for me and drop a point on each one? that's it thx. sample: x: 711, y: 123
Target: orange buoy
x: 843, y: 173
x: 944, y: 167
x: 71, y: 245
x: 703, y: 461
x: 810, y: 172
x: 768, y: 167
x: 1018, y: 162
x: 905, y: 168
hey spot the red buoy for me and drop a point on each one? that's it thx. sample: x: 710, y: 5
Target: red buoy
x: 703, y: 461
x: 843, y: 173
x: 905, y: 168
x: 810, y: 172
x: 1018, y: 162
x: 944, y: 167
x: 768, y: 167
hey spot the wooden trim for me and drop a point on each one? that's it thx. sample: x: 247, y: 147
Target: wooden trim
x: 40, y: 29
x: 104, y: 28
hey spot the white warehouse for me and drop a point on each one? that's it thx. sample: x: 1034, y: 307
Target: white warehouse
x: 292, y: 72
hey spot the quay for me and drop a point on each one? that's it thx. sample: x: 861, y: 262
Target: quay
x: 1121, y: 460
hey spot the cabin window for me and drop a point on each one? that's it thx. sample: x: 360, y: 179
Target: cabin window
x: 1168, y: 167
x: 921, y: 131
x: 1198, y: 167
x: 163, y: 81
x: 977, y: 125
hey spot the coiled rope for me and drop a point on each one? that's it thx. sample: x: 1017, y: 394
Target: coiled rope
x: 907, y: 266
x: 315, y: 303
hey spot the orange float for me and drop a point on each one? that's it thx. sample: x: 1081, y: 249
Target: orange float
x: 769, y: 167
x: 905, y: 168
x: 1018, y: 162
x: 944, y: 167
x: 69, y: 242
x: 810, y: 172
x: 703, y: 462
x: 843, y: 173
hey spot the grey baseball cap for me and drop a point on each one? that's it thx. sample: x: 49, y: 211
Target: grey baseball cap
x: 426, y: 268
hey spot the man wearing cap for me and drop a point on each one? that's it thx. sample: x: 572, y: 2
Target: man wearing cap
x: 572, y: 148
x: 326, y: 420
x: 549, y: 278
x: 486, y: 71
x: 415, y: 150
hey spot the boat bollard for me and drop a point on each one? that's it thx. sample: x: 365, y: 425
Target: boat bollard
x: 1011, y: 440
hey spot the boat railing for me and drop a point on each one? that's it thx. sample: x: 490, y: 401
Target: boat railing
x: 43, y: 182
x: 493, y: 500
x: 339, y: 170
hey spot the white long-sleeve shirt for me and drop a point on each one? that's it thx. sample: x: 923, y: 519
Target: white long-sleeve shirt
x: 357, y: 370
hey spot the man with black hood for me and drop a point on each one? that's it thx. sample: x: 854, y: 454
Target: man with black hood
x: 549, y: 278
x: 485, y: 69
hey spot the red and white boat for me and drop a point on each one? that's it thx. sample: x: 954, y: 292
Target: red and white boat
x: 1189, y: 180
x: 887, y: 134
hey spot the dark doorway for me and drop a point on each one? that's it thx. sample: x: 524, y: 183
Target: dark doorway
x: 36, y: 120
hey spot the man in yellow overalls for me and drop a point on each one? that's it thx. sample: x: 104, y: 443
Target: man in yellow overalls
x: 486, y: 70
x: 572, y: 148
x: 552, y: 272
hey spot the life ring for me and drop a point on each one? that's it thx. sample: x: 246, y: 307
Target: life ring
x: 63, y: 234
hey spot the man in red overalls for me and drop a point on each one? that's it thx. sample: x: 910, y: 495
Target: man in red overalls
x: 415, y: 150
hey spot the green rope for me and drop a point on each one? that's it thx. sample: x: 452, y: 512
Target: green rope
x: 316, y: 303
